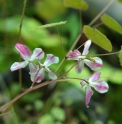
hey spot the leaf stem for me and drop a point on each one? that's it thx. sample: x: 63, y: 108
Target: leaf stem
x: 104, y: 9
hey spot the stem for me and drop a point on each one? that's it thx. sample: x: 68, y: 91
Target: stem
x: 23, y: 12
x: 107, y: 54
x: 104, y: 9
x: 60, y: 40
x: 20, y: 29
x: 5, y: 113
x: 62, y: 62
x: 97, y: 25
x: 69, y: 69
x: 77, y: 39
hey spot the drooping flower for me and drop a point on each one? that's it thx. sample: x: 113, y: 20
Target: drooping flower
x: 94, y: 63
x: 99, y: 85
x: 26, y: 56
x: 38, y: 74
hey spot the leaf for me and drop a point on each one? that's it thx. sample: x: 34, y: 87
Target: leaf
x: 120, y: 56
x: 98, y: 38
x: 120, y: 1
x: 50, y: 25
x: 76, y: 4
x: 111, y: 23
x: 46, y: 119
x: 58, y: 113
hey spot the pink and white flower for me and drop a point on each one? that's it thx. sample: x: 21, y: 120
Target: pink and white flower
x: 38, y: 74
x: 99, y: 85
x: 94, y: 63
x: 26, y: 56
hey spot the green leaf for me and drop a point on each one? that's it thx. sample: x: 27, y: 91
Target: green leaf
x: 38, y: 105
x: 111, y: 23
x: 76, y: 4
x: 58, y: 113
x: 120, y: 1
x: 98, y: 38
x: 120, y: 56
x: 50, y: 25
x: 46, y: 119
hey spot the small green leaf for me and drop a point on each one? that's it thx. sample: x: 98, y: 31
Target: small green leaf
x: 120, y: 56
x: 98, y: 38
x: 58, y: 113
x: 76, y: 4
x: 111, y: 23
x: 46, y: 119
x: 120, y: 1
x: 50, y: 25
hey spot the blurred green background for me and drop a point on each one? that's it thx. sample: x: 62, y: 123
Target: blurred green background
x: 63, y: 102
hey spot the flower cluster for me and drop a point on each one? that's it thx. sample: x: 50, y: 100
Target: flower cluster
x: 94, y: 63
x: 37, y: 72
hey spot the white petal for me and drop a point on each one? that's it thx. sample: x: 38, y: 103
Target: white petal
x: 95, y: 76
x: 38, y: 53
x: 23, y: 50
x: 33, y: 68
x: 38, y: 76
x: 86, y: 47
x: 50, y: 60
x: 18, y: 65
x: 89, y: 93
x: 79, y: 67
x: 94, y: 65
x: 100, y: 86
x: 51, y: 74
x: 83, y: 83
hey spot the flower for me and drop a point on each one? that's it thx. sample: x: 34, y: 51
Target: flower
x: 94, y: 63
x: 38, y: 74
x: 26, y: 56
x: 99, y: 85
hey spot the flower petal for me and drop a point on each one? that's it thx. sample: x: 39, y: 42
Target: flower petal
x: 79, y: 67
x: 23, y: 50
x: 74, y: 55
x: 38, y: 76
x: 100, y: 86
x: 51, y: 74
x: 83, y: 83
x: 94, y: 65
x: 33, y: 68
x: 86, y: 47
x: 94, y: 77
x: 89, y: 93
x: 18, y: 65
x: 38, y: 53
x: 50, y: 60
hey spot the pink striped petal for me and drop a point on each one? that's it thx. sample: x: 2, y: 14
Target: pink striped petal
x: 86, y: 47
x: 94, y: 65
x: 50, y: 60
x: 38, y: 76
x: 100, y: 86
x: 18, y: 65
x: 74, y: 55
x: 94, y: 77
x: 89, y: 93
x: 23, y: 50
x: 79, y: 67
x: 38, y: 53
x: 51, y: 74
